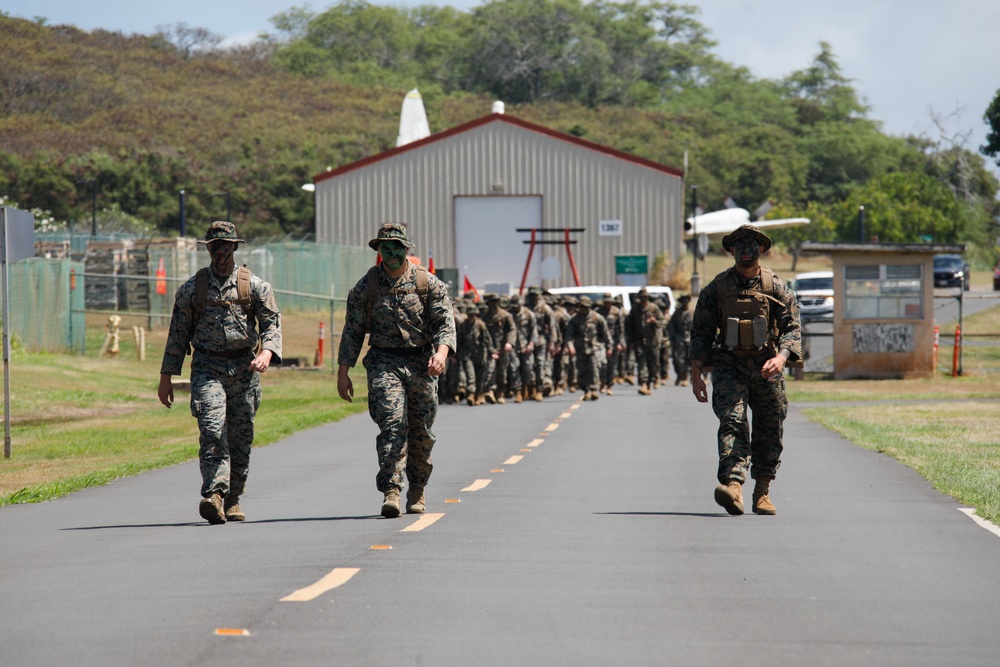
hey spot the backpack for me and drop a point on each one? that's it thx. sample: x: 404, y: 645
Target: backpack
x: 243, y: 297
x: 747, y: 324
x: 375, y: 289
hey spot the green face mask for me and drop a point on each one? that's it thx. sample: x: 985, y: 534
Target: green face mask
x: 393, y: 254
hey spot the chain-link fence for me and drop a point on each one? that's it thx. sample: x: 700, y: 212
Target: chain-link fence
x: 50, y: 297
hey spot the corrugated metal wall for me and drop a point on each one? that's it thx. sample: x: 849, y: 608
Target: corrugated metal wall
x: 580, y: 186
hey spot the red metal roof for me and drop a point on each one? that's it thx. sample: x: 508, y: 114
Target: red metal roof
x: 497, y: 118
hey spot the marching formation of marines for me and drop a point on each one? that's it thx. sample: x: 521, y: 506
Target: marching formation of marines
x: 514, y: 348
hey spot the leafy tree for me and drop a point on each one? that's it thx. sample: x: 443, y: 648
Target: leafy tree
x: 992, y: 118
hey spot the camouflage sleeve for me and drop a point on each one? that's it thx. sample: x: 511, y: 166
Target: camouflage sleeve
x: 705, y: 324
x: 268, y: 318
x: 181, y: 330
x: 441, y: 314
x: 787, y: 320
x: 353, y: 336
x: 605, y: 332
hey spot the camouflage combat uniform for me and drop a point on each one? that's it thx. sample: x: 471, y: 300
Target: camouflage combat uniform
x: 589, y: 335
x: 402, y: 395
x: 225, y: 393
x: 679, y: 332
x: 737, y: 384
x: 502, y: 331
x: 548, y: 334
x: 615, y: 318
x: 523, y: 382
x: 645, y: 328
x: 475, y: 347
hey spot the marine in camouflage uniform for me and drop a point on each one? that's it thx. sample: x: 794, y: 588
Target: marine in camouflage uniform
x: 548, y: 334
x: 224, y: 332
x: 645, y: 328
x: 475, y: 347
x: 748, y: 365
x: 504, y: 335
x: 410, y: 335
x: 615, y: 318
x: 527, y: 341
x: 679, y: 332
x: 587, y: 336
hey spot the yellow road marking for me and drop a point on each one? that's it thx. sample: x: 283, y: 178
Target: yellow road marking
x: 452, y: 500
x: 423, y: 522
x: 512, y: 460
x: 536, y: 442
x: 566, y: 415
x: 338, y: 577
x: 576, y: 405
x: 232, y: 632
x: 497, y: 470
x: 551, y: 427
x: 478, y: 484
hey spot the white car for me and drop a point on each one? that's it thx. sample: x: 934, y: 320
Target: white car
x: 814, y: 291
x: 597, y: 292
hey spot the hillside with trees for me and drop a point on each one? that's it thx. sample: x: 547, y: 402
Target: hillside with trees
x: 146, y: 116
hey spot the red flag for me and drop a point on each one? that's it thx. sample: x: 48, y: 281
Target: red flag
x: 468, y: 287
x: 430, y: 261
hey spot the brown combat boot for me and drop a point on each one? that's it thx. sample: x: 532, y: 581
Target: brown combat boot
x: 471, y: 400
x: 390, y: 505
x: 490, y: 397
x: 761, y: 501
x: 233, y: 511
x: 644, y: 389
x: 730, y: 496
x: 537, y: 396
x: 594, y: 396
x: 519, y: 396
x: 415, y: 500
x: 212, y: 510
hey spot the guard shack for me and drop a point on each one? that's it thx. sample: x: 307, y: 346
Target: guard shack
x: 883, y: 314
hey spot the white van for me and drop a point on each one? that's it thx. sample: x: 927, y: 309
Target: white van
x: 597, y: 292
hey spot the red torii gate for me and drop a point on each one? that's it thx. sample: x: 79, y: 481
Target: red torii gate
x: 537, y: 241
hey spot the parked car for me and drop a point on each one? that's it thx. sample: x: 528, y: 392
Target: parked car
x: 951, y: 271
x: 996, y: 277
x: 814, y: 291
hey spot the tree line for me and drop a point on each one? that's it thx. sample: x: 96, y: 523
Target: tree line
x: 146, y: 116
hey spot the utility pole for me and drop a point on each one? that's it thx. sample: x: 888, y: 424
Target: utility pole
x: 695, y: 278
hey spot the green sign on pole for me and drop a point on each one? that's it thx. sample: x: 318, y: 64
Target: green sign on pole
x: 631, y: 264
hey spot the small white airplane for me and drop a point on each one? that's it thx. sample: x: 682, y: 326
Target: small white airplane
x: 732, y: 217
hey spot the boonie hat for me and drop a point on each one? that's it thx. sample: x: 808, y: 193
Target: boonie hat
x: 744, y: 231
x: 391, y: 231
x: 585, y: 301
x: 220, y: 230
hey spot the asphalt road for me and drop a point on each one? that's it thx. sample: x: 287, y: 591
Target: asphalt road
x: 602, y: 545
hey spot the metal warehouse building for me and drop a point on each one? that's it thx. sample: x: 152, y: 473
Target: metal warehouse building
x: 465, y: 192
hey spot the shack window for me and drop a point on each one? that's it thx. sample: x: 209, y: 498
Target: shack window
x: 884, y: 291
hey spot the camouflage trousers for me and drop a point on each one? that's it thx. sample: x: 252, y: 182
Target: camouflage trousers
x: 588, y: 369
x: 475, y: 375
x: 543, y: 367
x: 402, y: 400
x: 611, y: 368
x: 734, y: 390
x: 647, y: 358
x: 225, y: 396
x: 682, y: 365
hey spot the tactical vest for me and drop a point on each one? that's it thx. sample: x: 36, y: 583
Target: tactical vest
x: 375, y: 290
x: 243, y: 298
x: 748, y: 329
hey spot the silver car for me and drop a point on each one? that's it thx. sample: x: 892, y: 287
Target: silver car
x: 814, y: 291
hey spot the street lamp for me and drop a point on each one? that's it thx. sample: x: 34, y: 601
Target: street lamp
x: 93, y: 203
x: 183, y: 214
x: 695, y: 278
x: 229, y: 204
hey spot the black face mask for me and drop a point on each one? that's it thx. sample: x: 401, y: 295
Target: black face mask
x: 746, y: 251
x: 222, y: 257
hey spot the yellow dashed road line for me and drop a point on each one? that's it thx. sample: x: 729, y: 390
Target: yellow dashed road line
x: 337, y: 577
x: 423, y: 522
x: 478, y: 484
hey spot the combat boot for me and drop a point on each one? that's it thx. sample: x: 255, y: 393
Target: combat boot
x: 233, y: 511
x: 594, y: 396
x: 390, y: 505
x: 519, y: 396
x: 212, y: 509
x: 501, y: 400
x: 761, y: 501
x: 471, y: 400
x: 537, y: 396
x: 490, y: 397
x: 415, y: 500
x: 644, y: 389
x: 730, y: 496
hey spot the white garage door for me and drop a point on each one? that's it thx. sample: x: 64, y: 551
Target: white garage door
x: 488, y: 247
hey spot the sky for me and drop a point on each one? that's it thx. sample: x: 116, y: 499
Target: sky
x: 908, y: 60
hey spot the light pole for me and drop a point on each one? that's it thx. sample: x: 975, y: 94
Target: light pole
x: 229, y: 204
x: 183, y: 214
x: 93, y: 203
x: 695, y: 278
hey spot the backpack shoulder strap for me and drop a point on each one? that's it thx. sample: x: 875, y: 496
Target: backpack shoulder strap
x: 371, y: 291
x: 243, y: 285
x: 766, y: 280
